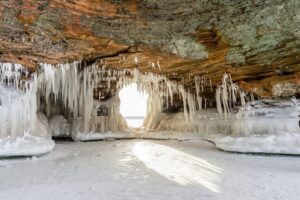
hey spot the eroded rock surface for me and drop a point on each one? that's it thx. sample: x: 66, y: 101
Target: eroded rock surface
x: 257, y: 42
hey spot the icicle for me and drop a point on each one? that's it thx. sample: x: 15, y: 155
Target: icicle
x: 202, y: 83
x: 199, y: 98
x: 158, y: 65
x: 243, y: 98
x: 136, y: 62
x: 226, y: 95
x: 191, y: 105
x: 211, y: 89
x: 184, y: 99
x: 153, y: 65
x: 252, y: 97
x: 218, y: 100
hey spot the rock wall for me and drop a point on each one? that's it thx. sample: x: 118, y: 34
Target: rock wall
x: 257, y: 42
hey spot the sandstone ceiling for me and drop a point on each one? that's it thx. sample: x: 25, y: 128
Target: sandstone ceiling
x: 257, y: 42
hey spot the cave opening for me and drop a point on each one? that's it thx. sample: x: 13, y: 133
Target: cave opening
x: 133, y: 105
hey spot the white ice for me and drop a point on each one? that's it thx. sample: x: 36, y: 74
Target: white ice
x: 269, y: 126
x: 280, y: 144
x: 26, y: 145
x: 23, y: 131
x: 135, y: 170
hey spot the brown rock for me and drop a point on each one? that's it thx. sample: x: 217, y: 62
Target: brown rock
x: 259, y: 46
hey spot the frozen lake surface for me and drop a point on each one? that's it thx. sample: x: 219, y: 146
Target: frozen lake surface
x: 148, y: 169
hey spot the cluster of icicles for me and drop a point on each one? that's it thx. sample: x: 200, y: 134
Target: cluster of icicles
x: 73, y: 86
x: 18, y: 104
x: 227, y: 95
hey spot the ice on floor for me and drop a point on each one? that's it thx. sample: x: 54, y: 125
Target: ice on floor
x: 135, y: 170
x: 26, y: 145
x: 280, y: 144
x: 59, y: 126
x: 103, y: 136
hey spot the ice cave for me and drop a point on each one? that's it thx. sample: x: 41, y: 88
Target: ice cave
x: 145, y: 99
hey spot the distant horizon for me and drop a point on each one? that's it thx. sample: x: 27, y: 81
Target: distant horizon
x: 134, y: 117
x: 133, y: 105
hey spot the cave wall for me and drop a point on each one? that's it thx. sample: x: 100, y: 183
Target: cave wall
x: 257, y: 42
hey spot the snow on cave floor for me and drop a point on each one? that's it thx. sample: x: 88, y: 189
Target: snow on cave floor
x: 148, y: 169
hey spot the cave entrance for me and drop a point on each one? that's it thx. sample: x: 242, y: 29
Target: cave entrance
x: 133, y: 105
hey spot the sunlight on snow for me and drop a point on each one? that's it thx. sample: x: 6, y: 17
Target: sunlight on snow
x: 178, y: 166
x: 133, y: 105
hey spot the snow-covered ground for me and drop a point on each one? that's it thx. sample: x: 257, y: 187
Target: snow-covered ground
x: 148, y: 169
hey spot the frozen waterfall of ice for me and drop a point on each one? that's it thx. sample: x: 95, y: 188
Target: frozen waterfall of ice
x: 227, y: 96
x: 251, y: 120
x: 262, y: 126
x: 72, y: 86
x: 20, y: 126
x: 70, y: 96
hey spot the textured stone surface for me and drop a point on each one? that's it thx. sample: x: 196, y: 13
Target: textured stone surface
x: 256, y: 41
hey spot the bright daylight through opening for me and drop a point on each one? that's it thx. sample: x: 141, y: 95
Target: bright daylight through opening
x: 133, y: 105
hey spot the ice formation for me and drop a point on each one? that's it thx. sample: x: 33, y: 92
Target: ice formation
x: 82, y: 102
x: 286, y: 143
x: 18, y: 107
x: 270, y: 126
x: 198, y: 84
x: 72, y: 86
x: 18, y: 101
x: 59, y: 126
x: 26, y: 145
x: 264, y: 126
x: 227, y: 95
x: 261, y: 117
x: 267, y: 117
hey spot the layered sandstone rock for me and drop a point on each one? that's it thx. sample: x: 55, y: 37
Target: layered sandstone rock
x: 257, y: 42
